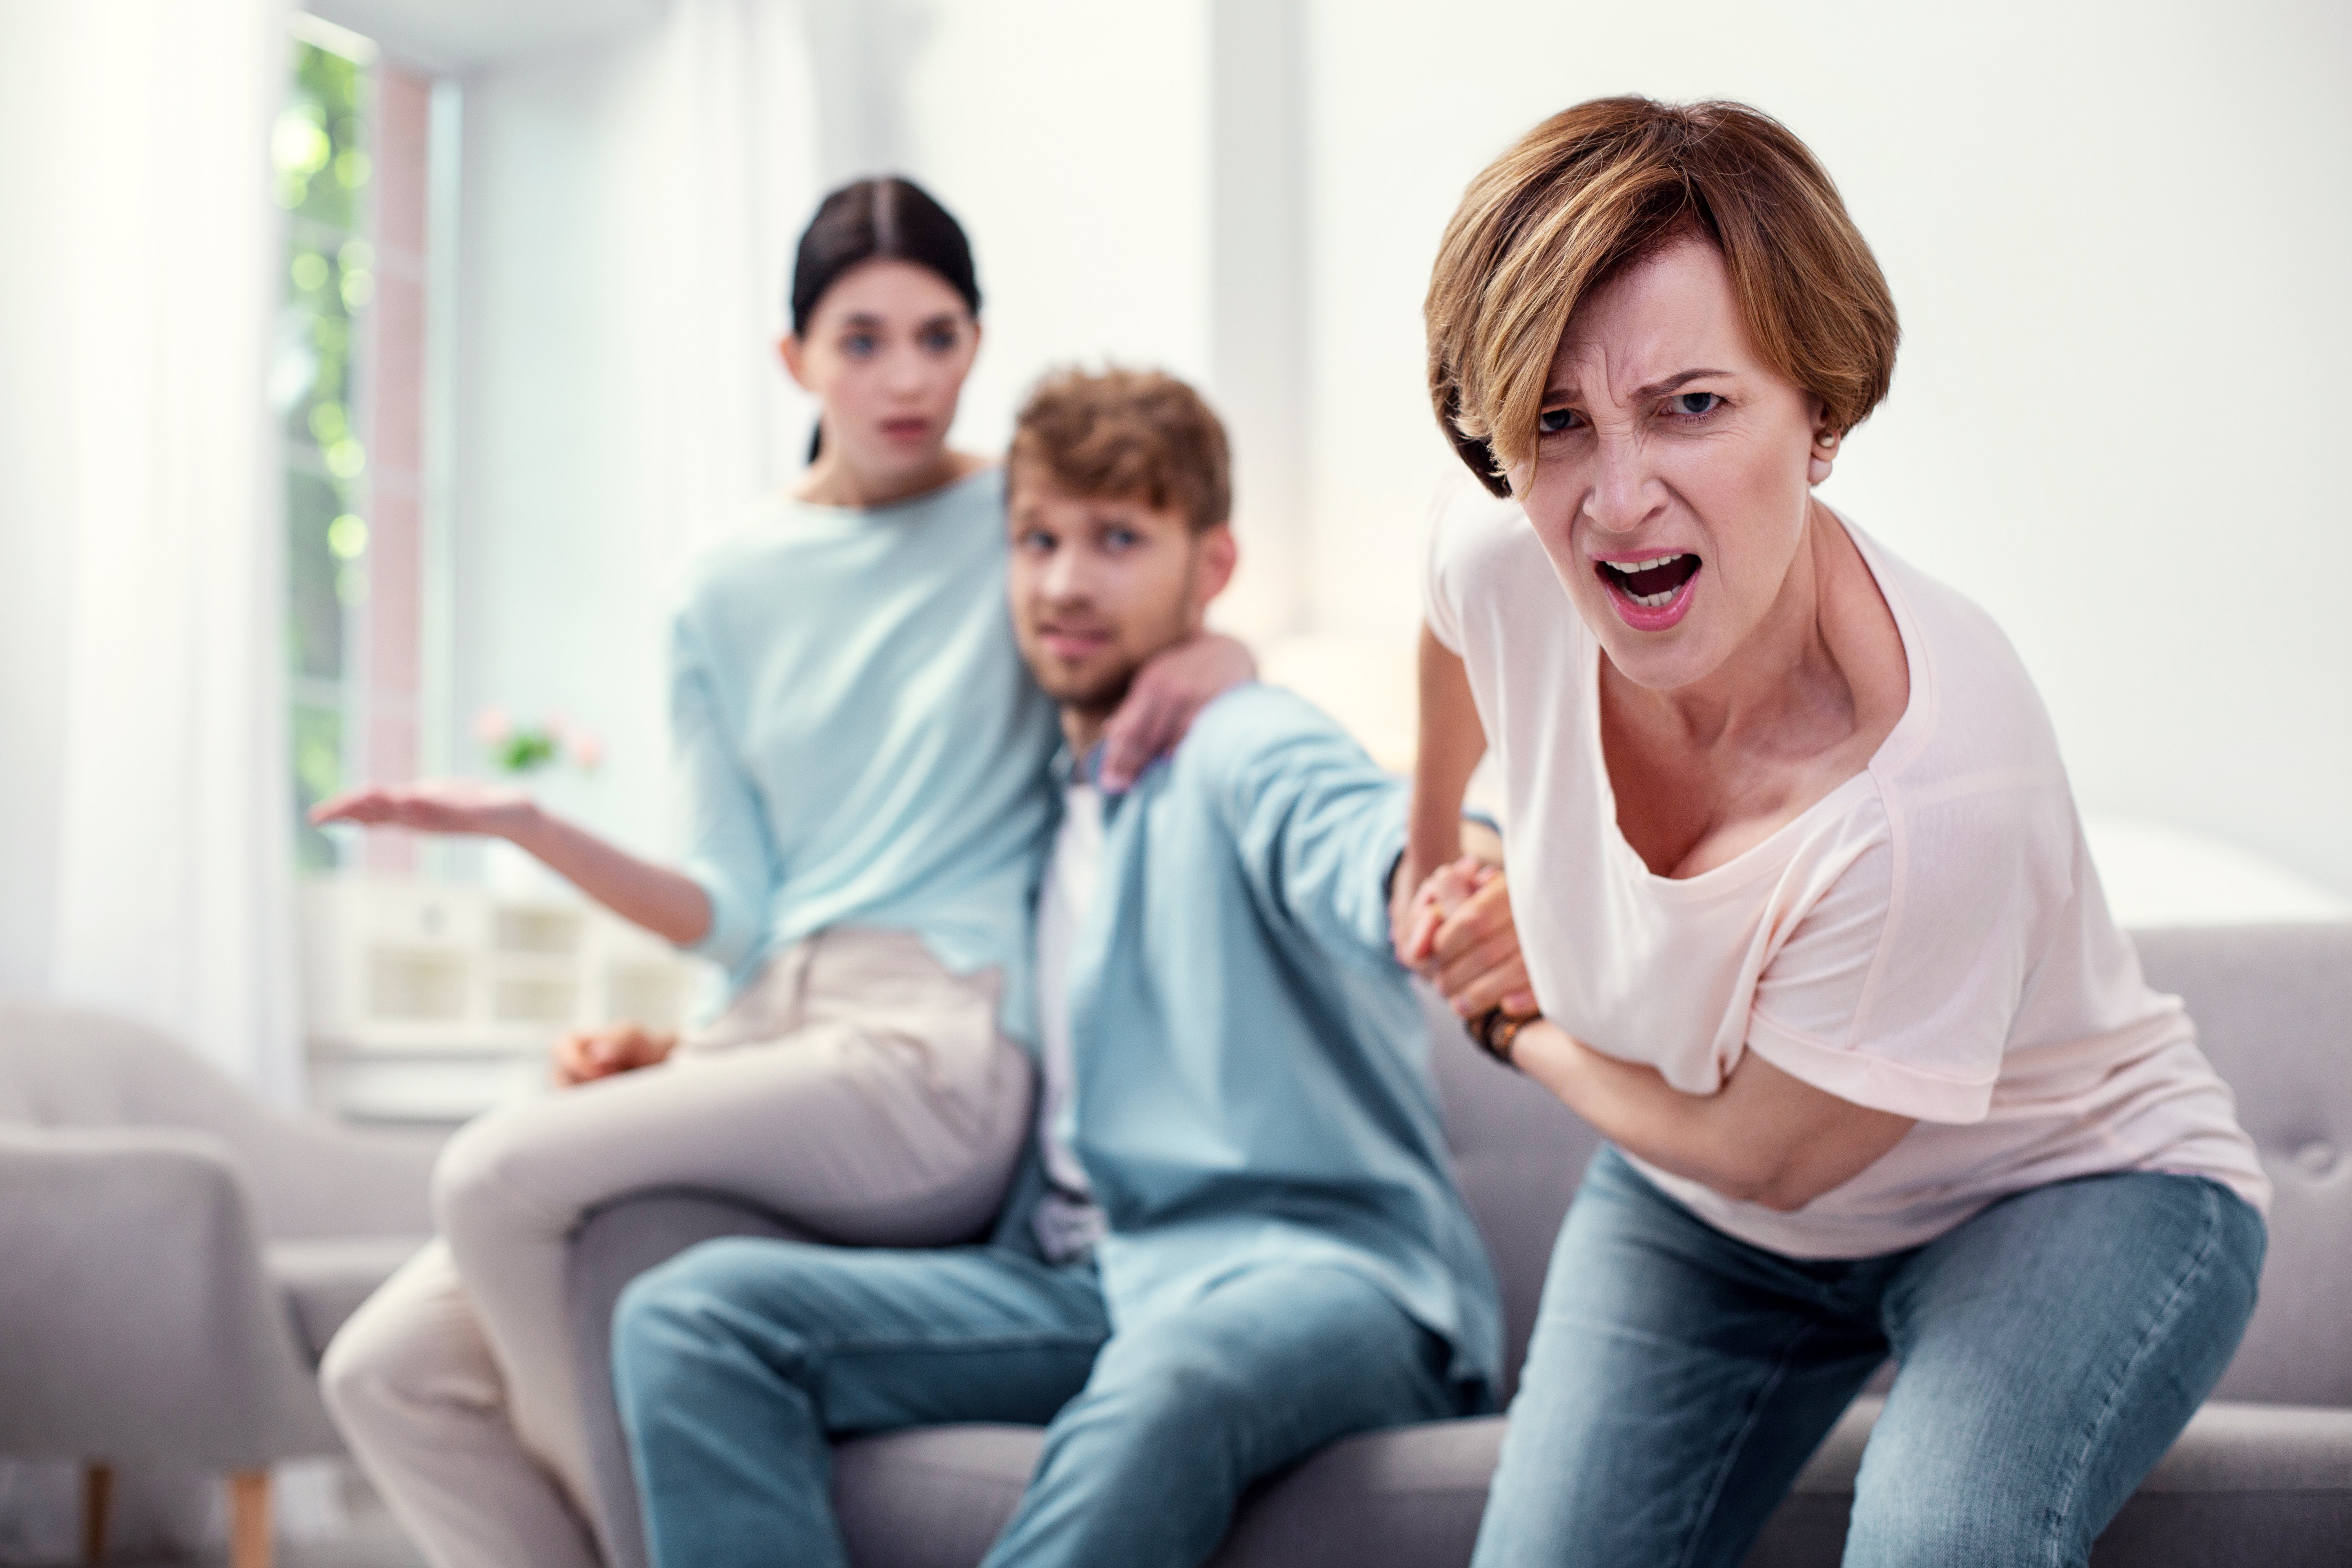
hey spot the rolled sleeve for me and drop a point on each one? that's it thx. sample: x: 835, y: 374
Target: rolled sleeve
x: 729, y: 854
x: 735, y: 923
x: 1899, y: 984
x: 1877, y: 1082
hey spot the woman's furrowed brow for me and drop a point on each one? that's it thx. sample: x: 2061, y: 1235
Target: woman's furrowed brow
x: 1568, y: 392
x: 1679, y: 379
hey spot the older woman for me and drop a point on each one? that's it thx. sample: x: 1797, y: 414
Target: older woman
x: 1802, y: 901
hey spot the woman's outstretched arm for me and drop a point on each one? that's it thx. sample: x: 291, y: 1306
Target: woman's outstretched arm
x: 669, y: 903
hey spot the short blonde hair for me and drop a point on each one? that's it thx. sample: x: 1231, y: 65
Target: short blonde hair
x: 1598, y: 187
x: 1128, y: 435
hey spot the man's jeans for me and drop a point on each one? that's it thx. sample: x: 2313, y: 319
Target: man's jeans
x: 737, y: 1362
x: 2051, y: 1348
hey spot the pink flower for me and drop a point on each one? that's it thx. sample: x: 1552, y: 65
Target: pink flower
x: 587, y: 750
x: 555, y: 725
x: 493, y: 726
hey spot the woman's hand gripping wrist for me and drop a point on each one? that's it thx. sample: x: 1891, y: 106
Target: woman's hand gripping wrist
x: 1457, y: 929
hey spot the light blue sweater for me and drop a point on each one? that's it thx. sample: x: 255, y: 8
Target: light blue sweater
x: 860, y: 742
x: 1251, y: 1070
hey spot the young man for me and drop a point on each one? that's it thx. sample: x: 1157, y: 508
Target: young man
x: 1241, y: 1239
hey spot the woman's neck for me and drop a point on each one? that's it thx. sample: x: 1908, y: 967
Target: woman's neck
x: 831, y: 480
x: 1785, y: 691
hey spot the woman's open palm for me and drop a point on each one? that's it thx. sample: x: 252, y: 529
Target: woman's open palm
x: 431, y: 806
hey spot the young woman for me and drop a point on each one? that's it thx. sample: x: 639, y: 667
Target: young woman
x: 866, y: 758
x: 1803, y: 901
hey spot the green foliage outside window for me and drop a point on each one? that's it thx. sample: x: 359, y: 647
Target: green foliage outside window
x: 318, y: 148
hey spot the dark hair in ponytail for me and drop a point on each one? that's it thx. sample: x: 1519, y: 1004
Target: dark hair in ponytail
x: 885, y: 219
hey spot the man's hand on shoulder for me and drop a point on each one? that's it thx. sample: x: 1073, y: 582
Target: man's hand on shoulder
x: 585, y: 1055
x: 1168, y: 694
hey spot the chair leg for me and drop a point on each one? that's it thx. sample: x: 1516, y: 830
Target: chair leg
x: 249, y: 1539
x: 96, y: 1502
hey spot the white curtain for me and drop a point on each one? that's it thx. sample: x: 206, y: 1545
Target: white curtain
x: 151, y: 860
x: 731, y: 177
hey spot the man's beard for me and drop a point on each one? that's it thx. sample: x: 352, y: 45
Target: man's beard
x: 1097, y: 699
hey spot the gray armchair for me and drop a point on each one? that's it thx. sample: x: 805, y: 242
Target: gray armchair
x: 177, y: 1256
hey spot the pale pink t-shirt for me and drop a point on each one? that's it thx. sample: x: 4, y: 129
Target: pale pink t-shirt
x: 1928, y: 939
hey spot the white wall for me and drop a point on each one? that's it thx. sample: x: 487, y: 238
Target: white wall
x: 2118, y: 233
x: 558, y: 553
x: 1072, y: 141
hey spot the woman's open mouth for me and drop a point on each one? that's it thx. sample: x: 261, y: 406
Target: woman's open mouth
x: 1653, y: 594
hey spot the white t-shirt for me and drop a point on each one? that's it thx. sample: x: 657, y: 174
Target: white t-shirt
x: 1928, y: 939
x: 1066, y: 1220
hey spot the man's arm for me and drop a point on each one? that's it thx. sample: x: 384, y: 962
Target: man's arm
x: 1317, y: 825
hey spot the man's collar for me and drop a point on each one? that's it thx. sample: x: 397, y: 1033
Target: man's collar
x: 1070, y: 768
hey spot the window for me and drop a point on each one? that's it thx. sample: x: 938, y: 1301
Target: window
x: 350, y: 150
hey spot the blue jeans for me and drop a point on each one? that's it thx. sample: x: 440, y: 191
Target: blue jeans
x: 737, y: 1362
x: 2050, y: 1347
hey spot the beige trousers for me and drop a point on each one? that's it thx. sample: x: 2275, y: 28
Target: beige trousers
x: 855, y: 1088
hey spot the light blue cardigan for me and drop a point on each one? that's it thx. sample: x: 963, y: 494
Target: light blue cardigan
x: 1252, y: 1065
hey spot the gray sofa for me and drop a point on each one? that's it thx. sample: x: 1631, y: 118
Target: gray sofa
x: 2264, y: 1475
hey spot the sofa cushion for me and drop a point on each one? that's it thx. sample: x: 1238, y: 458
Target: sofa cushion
x: 323, y: 1282
x: 2245, y: 1485
x: 937, y: 1498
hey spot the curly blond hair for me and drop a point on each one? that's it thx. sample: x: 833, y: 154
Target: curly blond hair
x: 1128, y: 435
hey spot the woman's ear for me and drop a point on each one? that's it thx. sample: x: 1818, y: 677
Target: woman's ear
x: 1823, y: 456
x: 796, y: 359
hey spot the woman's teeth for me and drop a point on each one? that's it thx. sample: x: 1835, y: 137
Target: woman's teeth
x: 1661, y: 576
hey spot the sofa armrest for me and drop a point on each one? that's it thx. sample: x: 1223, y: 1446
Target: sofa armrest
x: 140, y: 1323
